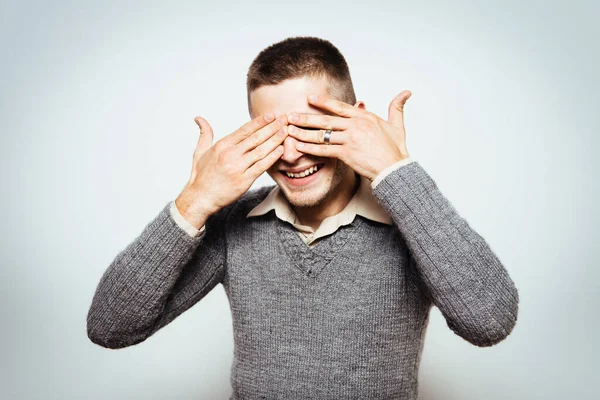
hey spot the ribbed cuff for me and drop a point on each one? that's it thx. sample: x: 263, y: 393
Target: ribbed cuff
x: 389, y: 170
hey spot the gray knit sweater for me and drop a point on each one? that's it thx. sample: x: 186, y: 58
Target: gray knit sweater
x: 343, y: 320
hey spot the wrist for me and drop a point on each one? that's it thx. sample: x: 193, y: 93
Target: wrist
x: 391, y: 164
x: 192, y: 208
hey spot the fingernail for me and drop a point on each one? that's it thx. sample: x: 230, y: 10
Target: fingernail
x: 293, y: 117
x: 312, y: 97
x: 291, y: 129
x: 269, y: 116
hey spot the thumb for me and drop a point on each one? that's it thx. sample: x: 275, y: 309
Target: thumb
x: 206, y: 135
x: 396, y: 109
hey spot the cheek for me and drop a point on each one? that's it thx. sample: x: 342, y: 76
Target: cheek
x: 332, y: 165
x: 273, y: 172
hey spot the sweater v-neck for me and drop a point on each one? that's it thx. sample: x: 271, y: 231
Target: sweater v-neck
x: 311, y: 261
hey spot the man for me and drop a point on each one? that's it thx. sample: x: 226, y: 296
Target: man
x: 330, y: 273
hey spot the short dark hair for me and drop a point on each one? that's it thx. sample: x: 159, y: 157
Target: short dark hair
x: 301, y: 56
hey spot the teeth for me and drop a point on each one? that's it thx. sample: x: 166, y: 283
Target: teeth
x: 302, y: 174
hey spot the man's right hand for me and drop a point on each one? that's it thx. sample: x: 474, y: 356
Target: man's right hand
x: 223, y: 172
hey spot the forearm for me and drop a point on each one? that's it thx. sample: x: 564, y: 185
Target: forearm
x: 462, y: 275
x: 132, y: 292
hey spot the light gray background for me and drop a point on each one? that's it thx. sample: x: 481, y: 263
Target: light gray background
x: 97, y: 108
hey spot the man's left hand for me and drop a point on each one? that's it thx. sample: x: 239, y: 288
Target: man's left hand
x: 362, y: 140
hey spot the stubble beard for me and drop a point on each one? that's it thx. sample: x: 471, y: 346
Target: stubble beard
x: 316, y: 197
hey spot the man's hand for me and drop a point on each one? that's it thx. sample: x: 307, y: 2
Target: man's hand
x: 224, y: 172
x: 362, y: 140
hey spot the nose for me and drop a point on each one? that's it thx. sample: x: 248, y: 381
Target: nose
x: 290, y: 154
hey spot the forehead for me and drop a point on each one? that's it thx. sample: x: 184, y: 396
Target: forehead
x: 288, y: 96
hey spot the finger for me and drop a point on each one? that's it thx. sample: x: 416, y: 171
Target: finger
x: 206, y: 135
x: 396, y: 108
x: 319, y: 121
x: 265, y: 148
x: 258, y: 137
x: 321, y: 150
x: 335, y: 106
x: 313, y: 135
x: 265, y: 163
x: 249, y: 128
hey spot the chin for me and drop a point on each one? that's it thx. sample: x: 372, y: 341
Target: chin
x: 306, y: 198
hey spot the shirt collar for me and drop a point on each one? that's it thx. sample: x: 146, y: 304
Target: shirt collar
x: 362, y: 203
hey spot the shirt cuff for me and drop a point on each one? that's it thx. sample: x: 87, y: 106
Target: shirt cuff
x: 183, y: 223
x: 389, y: 169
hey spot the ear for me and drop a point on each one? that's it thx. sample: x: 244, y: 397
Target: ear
x: 360, y: 104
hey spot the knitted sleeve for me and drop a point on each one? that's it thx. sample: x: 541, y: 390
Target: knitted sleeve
x: 158, y: 276
x: 459, y: 271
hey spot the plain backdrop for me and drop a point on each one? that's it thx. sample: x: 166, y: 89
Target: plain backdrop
x: 97, y: 107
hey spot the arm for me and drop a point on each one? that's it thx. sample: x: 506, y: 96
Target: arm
x: 158, y: 276
x: 459, y: 271
x: 181, y: 254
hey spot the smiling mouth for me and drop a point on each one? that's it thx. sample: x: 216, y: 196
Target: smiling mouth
x: 302, y: 174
